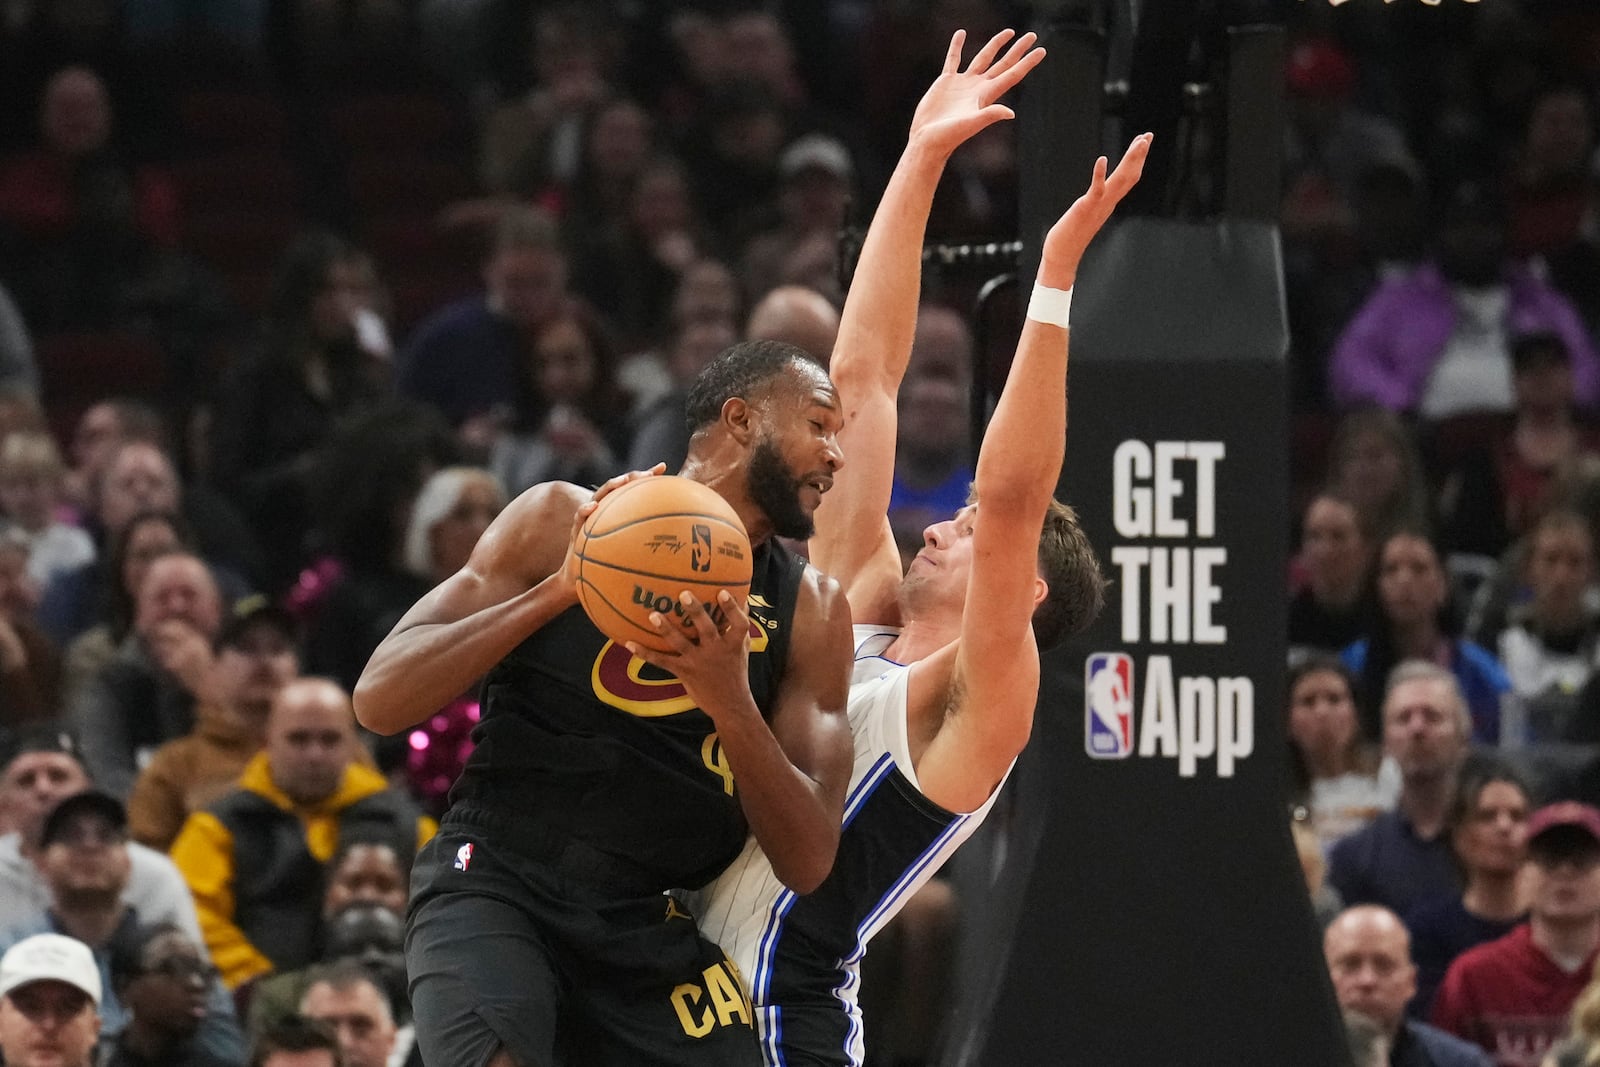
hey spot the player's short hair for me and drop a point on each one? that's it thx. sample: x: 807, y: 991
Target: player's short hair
x: 744, y: 370
x: 1071, y: 570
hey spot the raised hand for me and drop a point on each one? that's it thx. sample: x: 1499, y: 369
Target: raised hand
x: 960, y: 103
x: 1065, y: 243
x: 185, y: 653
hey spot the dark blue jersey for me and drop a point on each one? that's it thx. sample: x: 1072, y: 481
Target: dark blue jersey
x: 582, y: 743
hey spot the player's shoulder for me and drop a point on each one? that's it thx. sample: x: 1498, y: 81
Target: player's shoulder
x: 547, y: 498
x: 537, y: 523
x: 821, y: 592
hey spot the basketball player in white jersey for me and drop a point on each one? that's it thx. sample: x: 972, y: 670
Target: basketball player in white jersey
x: 947, y: 662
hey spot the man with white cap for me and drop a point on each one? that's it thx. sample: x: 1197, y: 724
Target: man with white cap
x: 49, y: 1003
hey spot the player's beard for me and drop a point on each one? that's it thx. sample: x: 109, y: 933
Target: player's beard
x: 777, y: 492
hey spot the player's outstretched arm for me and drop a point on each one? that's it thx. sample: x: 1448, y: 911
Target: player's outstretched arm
x: 791, y: 775
x: 853, y: 541
x: 996, y: 676
x: 519, y: 577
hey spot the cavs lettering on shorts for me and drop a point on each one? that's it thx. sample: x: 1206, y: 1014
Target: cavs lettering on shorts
x: 627, y: 683
x: 718, y: 999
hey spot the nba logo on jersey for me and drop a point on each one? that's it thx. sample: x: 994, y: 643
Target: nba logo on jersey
x: 464, y: 856
x: 1108, y: 705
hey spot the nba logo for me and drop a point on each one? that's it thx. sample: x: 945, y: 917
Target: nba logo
x: 700, y: 554
x: 1108, y: 705
x: 464, y: 856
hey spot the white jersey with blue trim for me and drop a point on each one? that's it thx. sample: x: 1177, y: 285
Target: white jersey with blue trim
x: 802, y: 955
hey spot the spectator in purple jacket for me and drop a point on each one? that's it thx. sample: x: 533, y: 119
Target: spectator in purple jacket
x: 1437, y: 341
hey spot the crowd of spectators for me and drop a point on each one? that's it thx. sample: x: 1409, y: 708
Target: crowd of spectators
x: 294, y: 296
x: 1441, y: 219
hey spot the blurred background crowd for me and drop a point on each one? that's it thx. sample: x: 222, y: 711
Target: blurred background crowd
x: 295, y: 294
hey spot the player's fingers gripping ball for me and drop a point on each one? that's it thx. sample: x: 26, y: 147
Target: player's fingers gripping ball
x: 648, y: 541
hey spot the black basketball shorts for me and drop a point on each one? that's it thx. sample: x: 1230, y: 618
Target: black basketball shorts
x: 503, y: 951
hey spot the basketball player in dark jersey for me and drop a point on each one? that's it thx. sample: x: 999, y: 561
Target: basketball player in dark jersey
x: 947, y: 664
x: 539, y: 931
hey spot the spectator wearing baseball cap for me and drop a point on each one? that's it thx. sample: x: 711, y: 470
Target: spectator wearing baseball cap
x: 83, y: 856
x: 816, y: 176
x: 1332, y: 250
x: 43, y: 766
x: 1327, y: 134
x: 1516, y: 993
x: 258, y: 653
x: 49, y: 1002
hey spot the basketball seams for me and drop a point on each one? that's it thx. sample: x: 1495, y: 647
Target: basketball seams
x: 615, y: 573
x: 720, y: 581
x: 591, y: 532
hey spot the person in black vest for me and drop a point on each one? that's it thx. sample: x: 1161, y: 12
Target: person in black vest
x: 255, y: 858
x: 537, y: 918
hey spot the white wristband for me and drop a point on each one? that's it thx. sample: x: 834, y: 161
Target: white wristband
x: 1050, y: 305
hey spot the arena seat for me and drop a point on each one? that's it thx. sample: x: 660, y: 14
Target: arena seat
x: 383, y: 122
x: 1448, y: 442
x: 238, y: 180
x: 405, y: 184
x: 77, y: 370
x: 232, y: 119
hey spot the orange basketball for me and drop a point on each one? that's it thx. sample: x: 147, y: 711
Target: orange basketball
x: 647, y: 542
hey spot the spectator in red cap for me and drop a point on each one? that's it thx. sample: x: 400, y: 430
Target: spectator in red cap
x: 1350, y: 188
x: 1513, y: 996
x: 1330, y: 142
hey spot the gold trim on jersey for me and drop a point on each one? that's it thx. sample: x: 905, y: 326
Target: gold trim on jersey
x: 618, y: 679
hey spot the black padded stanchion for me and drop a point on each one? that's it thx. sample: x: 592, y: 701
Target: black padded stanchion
x: 1136, y: 897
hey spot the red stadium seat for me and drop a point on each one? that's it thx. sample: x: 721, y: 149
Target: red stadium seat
x: 77, y: 370
x: 238, y: 181
x: 414, y: 239
x: 243, y: 245
x: 234, y: 119
x: 417, y: 294
x: 1450, y: 441
x: 385, y: 123
x: 405, y: 184
x: 241, y: 237
x: 250, y: 287
x: 1310, y: 436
